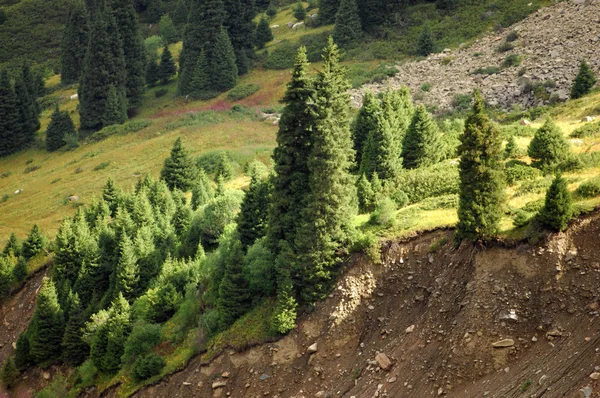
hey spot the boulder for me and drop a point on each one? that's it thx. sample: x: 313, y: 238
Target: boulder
x: 274, y: 26
x: 383, y: 361
x: 73, y: 198
x: 313, y: 348
x: 505, y: 343
x: 290, y: 24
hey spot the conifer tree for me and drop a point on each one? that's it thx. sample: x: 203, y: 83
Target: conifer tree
x: 47, y: 325
x: 114, y: 110
x: 179, y: 171
x: 284, y: 315
x: 557, y: 210
x: 263, y: 34
x: 366, y: 195
x: 426, y: 43
x: 74, y: 44
x: 28, y: 112
x: 366, y: 121
x: 111, y: 194
x: 75, y: 351
x: 422, y: 142
x: 127, y: 272
x: 152, y: 72
x: 22, y: 353
x: 109, y: 340
x: 166, y: 68
x: 372, y: 13
x: 327, y: 11
x: 398, y: 109
x: 12, y: 246
x: 180, y: 15
x: 35, y: 242
x: 584, y: 81
x: 202, y: 192
x: 481, y: 177
x: 60, y: 126
x: 252, y: 219
x: 20, y: 271
x: 511, y: 150
x: 6, y: 277
x: 153, y: 11
x: 221, y: 189
x: 549, y: 146
x: 224, y: 167
x: 167, y: 30
x: 240, y: 27
x: 328, y: 216
x: 224, y: 70
x: 9, y: 373
x: 199, y: 84
x: 234, y: 293
x: 347, y: 31
x: 182, y: 219
x: 294, y: 140
x: 382, y: 150
x: 10, y: 122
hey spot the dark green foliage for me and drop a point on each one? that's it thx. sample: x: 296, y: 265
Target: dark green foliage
x: 22, y: 353
x: 384, y: 213
x: 271, y: 10
x: 127, y: 272
x: 282, y: 56
x: 426, y: 42
x: 224, y: 167
x: 347, y: 31
x: 60, y: 126
x: 299, y: 11
x: 167, y: 30
x: 327, y: 11
x: 512, y: 149
x: 549, y: 146
x: 111, y: 194
x: 151, y: 72
x: 153, y: 11
x: 74, y: 350
x: 240, y: 92
x: 263, y: 34
x: 220, y: 212
x: 241, y: 27
x: 422, y: 142
x: 520, y: 172
x: 587, y: 130
x: 366, y: 122
x: 481, y: 176
x: 142, y: 340
x: 224, y: 71
x: 166, y: 68
x: 20, y: 271
x: 182, y: 219
x: 148, y: 366
x: 11, y: 126
x: 584, y: 81
x: 180, y: 15
x: 9, y: 373
x: 259, y: 270
x: 12, y: 246
x: 179, y: 170
x: 74, y: 44
x: 35, y: 242
x: 373, y: 14
x: 47, y: 325
x: 199, y: 84
x: 557, y: 210
x: 589, y: 189
x: 115, y: 111
x: 108, y: 342
x: 6, y: 278
x: 252, y: 220
x: 202, y: 192
x: 234, y: 294
x: 366, y: 195
x: 284, y: 315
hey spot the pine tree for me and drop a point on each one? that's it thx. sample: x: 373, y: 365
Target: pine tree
x: 153, y: 11
x: 12, y: 246
x: 224, y: 74
x: 127, y: 272
x: 166, y: 68
x: 74, y: 349
x: 133, y: 50
x: 294, y: 140
x: 104, y: 66
x: 22, y: 353
x: 35, y: 242
x: 224, y: 167
x: 20, y: 271
x: 9, y: 373
x: 366, y: 121
x: 512, y: 148
x: 240, y: 27
x: 60, y: 126
x: 179, y: 171
x: 426, y: 43
x: 422, y: 142
x: 167, y: 30
x: 182, y: 220
x: 328, y: 216
x: 6, y: 277
x: 584, y: 81
x: 114, y: 110
x: 109, y: 341
x: 202, y: 192
x: 284, y: 315
x: 252, y: 219
x: 557, y: 210
x: 74, y: 43
x: 111, y: 194
x: 199, y: 84
x: 373, y: 14
x: 398, y: 109
x: 10, y: 123
x: 47, y: 325
x: 366, y: 195
x: 221, y: 189
x: 28, y: 112
x: 234, y: 293
x: 347, y: 31
x: 180, y: 15
x: 299, y: 11
x: 152, y: 72
x: 481, y: 176
x: 327, y: 11
x: 263, y: 34
x: 549, y: 146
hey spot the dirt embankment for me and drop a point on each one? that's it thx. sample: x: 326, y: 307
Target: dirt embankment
x: 436, y: 314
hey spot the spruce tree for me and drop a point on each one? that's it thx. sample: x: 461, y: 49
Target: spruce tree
x: 224, y: 168
x: 9, y: 373
x: 60, y: 126
x: 180, y: 15
x: 234, y: 293
x: 327, y: 11
x: 182, y: 219
x: 373, y: 14
x: 10, y: 122
x: 28, y: 112
x: 35, y: 242
x: 481, y: 176
x: 426, y: 42
x: 398, y: 109
x: 74, y: 350
x: 152, y: 72
x: 224, y: 70
x: 167, y: 30
x: 347, y: 31
x: 179, y: 171
x: 252, y: 219
x: 6, y: 278
x: 512, y: 148
x: 294, y: 140
x: 127, y: 272
x: 263, y: 34
x: 240, y: 27
x: 20, y: 271
x: 584, y: 81
x: 366, y: 195
x: 422, y: 142
x: 111, y: 194
x: 74, y: 43
x: 366, y: 121
x: 202, y: 192
x: 549, y: 146
x: 154, y: 10
x: 114, y: 110
x: 166, y: 68
x: 329, y: 213
x: 382, y: 150
x: 23, y: 353
x: 557, y: 210
x: 47, y: 325
x: 284, y: 315
x: 199, y: 84
x: 12, y: 246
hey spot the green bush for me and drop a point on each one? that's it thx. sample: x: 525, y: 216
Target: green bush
x: 462, y: 102
x: 589, y: 189
x: 282, y: 57
x: 242, y: 91
x: 516, y: 130
x: 511, y: 60
x: 259, y: 270
x: 31, y: 169
x: 587, y: 130
x: 422, y: 183
x: 490, y: 70
x: 299, y: 12
x: 521, y: 218
x: 58, y: 388
x: 143, y: 338
x: 385, y: 213
x: 148, y: 366
x: 101, y: 166
x: 426, y: 87
x: 533, y: 186
x: 534, y: 206
x: 512, y: 36
x: 518, y: 171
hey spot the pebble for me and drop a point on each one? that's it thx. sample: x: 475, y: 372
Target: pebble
x: 410, y: 329
x: 313, y: 348
x: 503, y: 343
x: 595, y: 376
x: 392, y: 380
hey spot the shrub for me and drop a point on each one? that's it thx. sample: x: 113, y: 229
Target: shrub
x: 101, y: 166
x: 462, y: 102
x: 384, y: 213
x: 511, y: 60
x: 425, y: 87
x: 148, y: 366
x: 58, y: 388
x: 517, y: 130
x: 9, y: 373
x: 512, y: 36
x: 533, y: 187
x: 259, y: 269
x: 160, y: 92
x: 242, y: 91
x: 587, y: 130
x: 130, y: 127
x: 5, y: 174
x: 143, y: 338
x: 589, y: 189
x: 31, y: 169
x: 521, y: 218
x: 534, y: 206
x: 557, y: 210
x: 271, y: 10
x: 401, y: 199
x: 71, y: 142
x: 422, y: 183
x: 518, y: 171
x: 504, y: 47
x: 584, y: 81
x: 299, y: 12
x: 282, y: 57
x: 490, y: 70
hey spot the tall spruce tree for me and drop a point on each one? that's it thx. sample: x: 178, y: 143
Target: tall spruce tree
x: 240, y: 27
x: 13, y: 247
x: 327, y: 11
x: 151, y: 71
x: 6, y: 278
x: 127, y: 272
x: 372, y: 13
x: 60, y: 126
x: 115, y: 111
x: 180, y: 15
x: 202, y: 192
x: 167, y: 30
x: 426, y: 42
x: 199, y: 84
x: 224, y: 70
x: 584, y: 81
x: 347, y: 31
x: 74, y: 44
x: 328, y: 216
x: 23, y: 351
x: 252, y: 219
x: 557, y: 210
x: 47, y: 325
x: 549, y: 146
x: 263, y: 34
x: 74, y: 350
x: 28, y: 112
x: 166, y: 68
x: 284, y: 315
x: 422, y: 142
x: 481, y: 176
x: 294, y: 141
x: 10, y: 118
x: 234, y: 293
x: 9, y: 373
x: 179, y: 171
x: 35, y: 242
x: 20, y: 271
x: 366, y: 121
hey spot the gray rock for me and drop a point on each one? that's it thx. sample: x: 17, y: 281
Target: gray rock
x: 312, y: 348
x: 586, y: 392
x: 264, y: 377
x: 505, y: 343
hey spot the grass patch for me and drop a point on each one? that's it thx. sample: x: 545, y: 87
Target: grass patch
x: 242, y: 91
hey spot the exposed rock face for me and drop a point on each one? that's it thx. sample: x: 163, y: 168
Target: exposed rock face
x: 551, y: 43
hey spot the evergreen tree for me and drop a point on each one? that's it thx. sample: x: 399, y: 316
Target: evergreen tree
x: 199, y: 84
x: 584, y: 81
x: 328, y: 216
x: 373, y: 14
x: 10, y: 122
x: 512, y: 148
x: 153, y: 11
x: 20, y: 271
x: 35, y: 242
x: 234, y: 293
x: 366, y: 195
x: 166, y: 68
x: 47, y: 325
x: 104, y: 66
x: 426, y: 43
x: 182, y: 219
x: 202, y: 192
x: 366, y: 121
x: 299, y: 11
x: 167, y: 30
x: 347, y: 31
x: 557, y: 210
x: 114, y: 110
x: 179, y: 171
x: 240, y: 27
x: 284, y: 315
x: 28, y: 112
x: 12, y: 246
x: 127, y: 272
x: 327, y: 11
x: 74, y: 43
x: 22, y: 353
x: 549, y: 146
x: 224, y: 74
x: 109, y: 340
x: 224, y: 167
x: 133, y: 50
x: 180, y: 15
x: 294, y: 140
x: 382, y: 150
x: 252, y: 219
x: 263, y: 34
x: 60, y: 126
x: 75, y: 351
x: 111, y: 194
x: 422, y: 142
x: 398, y: 109
x: 152, y: 72
x: 9, y: 373
x: 6, y: 277
x: 481, y: 177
